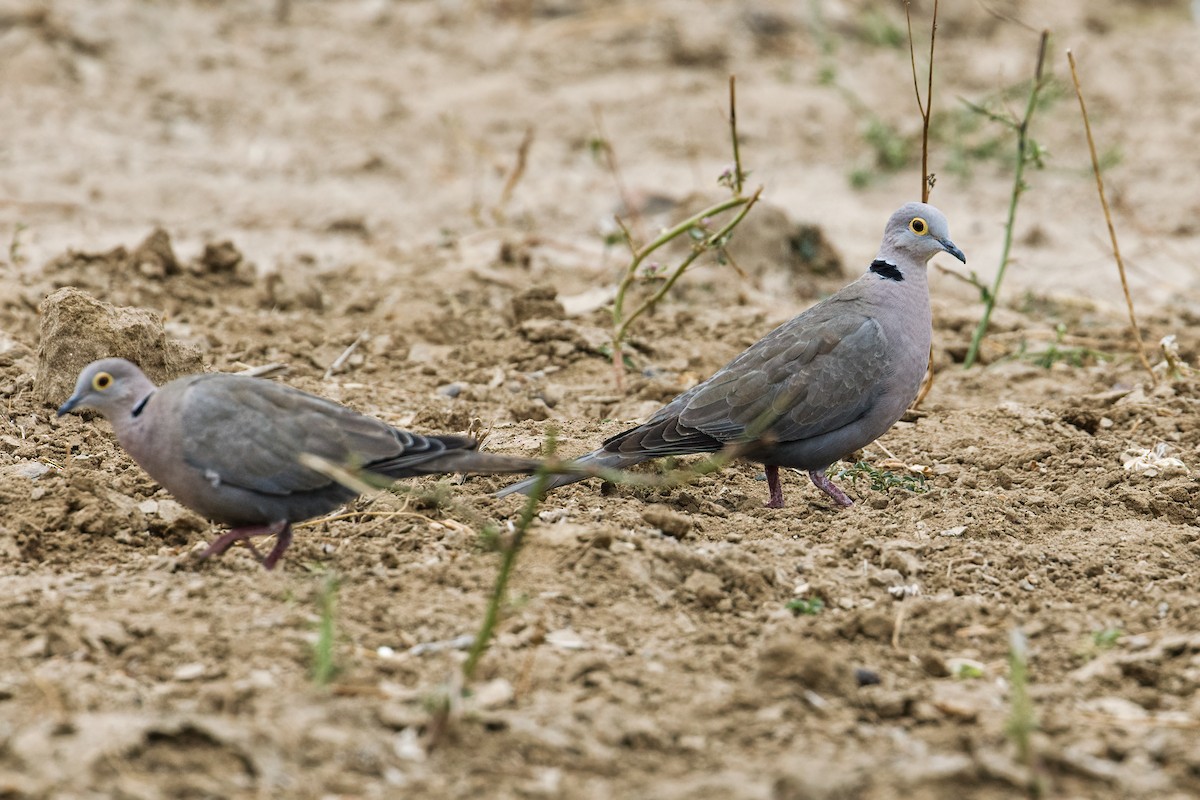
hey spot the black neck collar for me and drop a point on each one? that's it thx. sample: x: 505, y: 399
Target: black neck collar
x: 141, y: 406
x: 887, y: 270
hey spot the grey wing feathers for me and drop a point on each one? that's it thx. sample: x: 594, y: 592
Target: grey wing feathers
x: 250, y: 433
x: 809, y: 376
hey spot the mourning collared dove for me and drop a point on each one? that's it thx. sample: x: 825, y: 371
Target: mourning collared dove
x: 815, y: 389
x: 229, y: 446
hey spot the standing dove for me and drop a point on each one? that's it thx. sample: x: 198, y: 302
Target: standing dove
x: 815, y: 389
x: 229, y: 446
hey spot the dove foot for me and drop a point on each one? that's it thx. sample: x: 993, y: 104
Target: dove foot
x: 281, y: 529
x: 282, y: 540
x: 826, y: 485
x: 774, y: 487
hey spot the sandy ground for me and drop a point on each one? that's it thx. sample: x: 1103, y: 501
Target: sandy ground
x: 356, y: 156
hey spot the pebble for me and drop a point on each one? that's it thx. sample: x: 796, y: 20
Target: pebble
x: 706, y: 586
x: 566, y: 639
x: 671, y: 523
x: 494, y: 694
x: 887, y: 577
x: 189, y: 672
x: 866, y: 677
x: 31, y: 469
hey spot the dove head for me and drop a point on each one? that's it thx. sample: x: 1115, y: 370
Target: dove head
x: 110, y: 386
x: 917, y: 232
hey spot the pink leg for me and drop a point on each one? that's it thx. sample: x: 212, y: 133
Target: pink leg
x: 822, y: 482
x: 774, y: 487
x: 282, y: 540
x: 281, y: 529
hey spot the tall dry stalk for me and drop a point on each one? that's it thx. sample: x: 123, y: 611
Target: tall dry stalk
x: 926, y: 107
x: 1112, y: 231
x: 927, y: 180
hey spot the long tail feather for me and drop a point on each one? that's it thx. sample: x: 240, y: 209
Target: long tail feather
x: 596, y: 458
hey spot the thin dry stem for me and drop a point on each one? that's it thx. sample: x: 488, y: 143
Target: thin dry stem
x: 926, y: 109
x: 518, y: 169
x: 926, y: 106
x: 737, y: 156
x: 926, y: 382
x: 340, y: 361
x: 610, y: 160
x: 1112, y: 231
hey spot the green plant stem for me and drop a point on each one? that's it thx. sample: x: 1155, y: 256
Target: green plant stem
x: 708, y: 243
x: 324, y: 662
x: 621, y: 323
x: 508, y: 559
x: 1017, y: 190
x: 1022, y: 719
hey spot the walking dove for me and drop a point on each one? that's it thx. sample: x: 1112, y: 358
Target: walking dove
x: 229, y: 446
x: 815, y: 389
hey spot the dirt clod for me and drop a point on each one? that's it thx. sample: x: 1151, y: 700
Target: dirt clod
x: 77, y: 329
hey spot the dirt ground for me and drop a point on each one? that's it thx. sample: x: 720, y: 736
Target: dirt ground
x: 359, y: 158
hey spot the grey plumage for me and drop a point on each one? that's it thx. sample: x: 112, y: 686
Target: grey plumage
x: 822, y: 385
x: 228, y: 446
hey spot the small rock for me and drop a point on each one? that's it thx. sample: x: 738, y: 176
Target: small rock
x: 219, y: 258
x: 672, y: 523
x: 565, y: 639
x: 169, y: 511
x: 407, y: 746
x: 426, y: 353
x: 11, y: 350
x: 956, y: 531
x: 793, y: 657
x: 538, y: 302
x: 530, y: 408
x: 292, y: 287
x: 1118, y: 708
x: 907, y: 563
x: 889, y: 704
x: 450, y: 389
x: 399, y: 716
x: 30, y: 469
x: 154, y: 257
x: 866, y: 677
x: 706, y: 587
x: 189, y: 672
x: 934, y: 665
x: 494, y: 694
x: 887, y: 577
x: 957, y: 700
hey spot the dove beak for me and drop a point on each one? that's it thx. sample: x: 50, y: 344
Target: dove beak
x: 952, y: 249
x: 68, y: 406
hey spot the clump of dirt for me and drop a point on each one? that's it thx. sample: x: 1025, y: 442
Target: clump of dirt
x: 77, y: 329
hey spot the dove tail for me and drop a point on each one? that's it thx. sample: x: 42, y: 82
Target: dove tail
x: 599, y: 459
x: 479, y: 463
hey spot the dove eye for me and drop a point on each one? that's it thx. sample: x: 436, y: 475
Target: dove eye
x: 102, y: 381
x: 918, y: 226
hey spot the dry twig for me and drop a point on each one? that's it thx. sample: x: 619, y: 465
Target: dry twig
x: 1112, y: 231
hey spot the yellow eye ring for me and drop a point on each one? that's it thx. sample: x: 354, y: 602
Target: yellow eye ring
x: 102, y: 381
x: 918, y: 226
